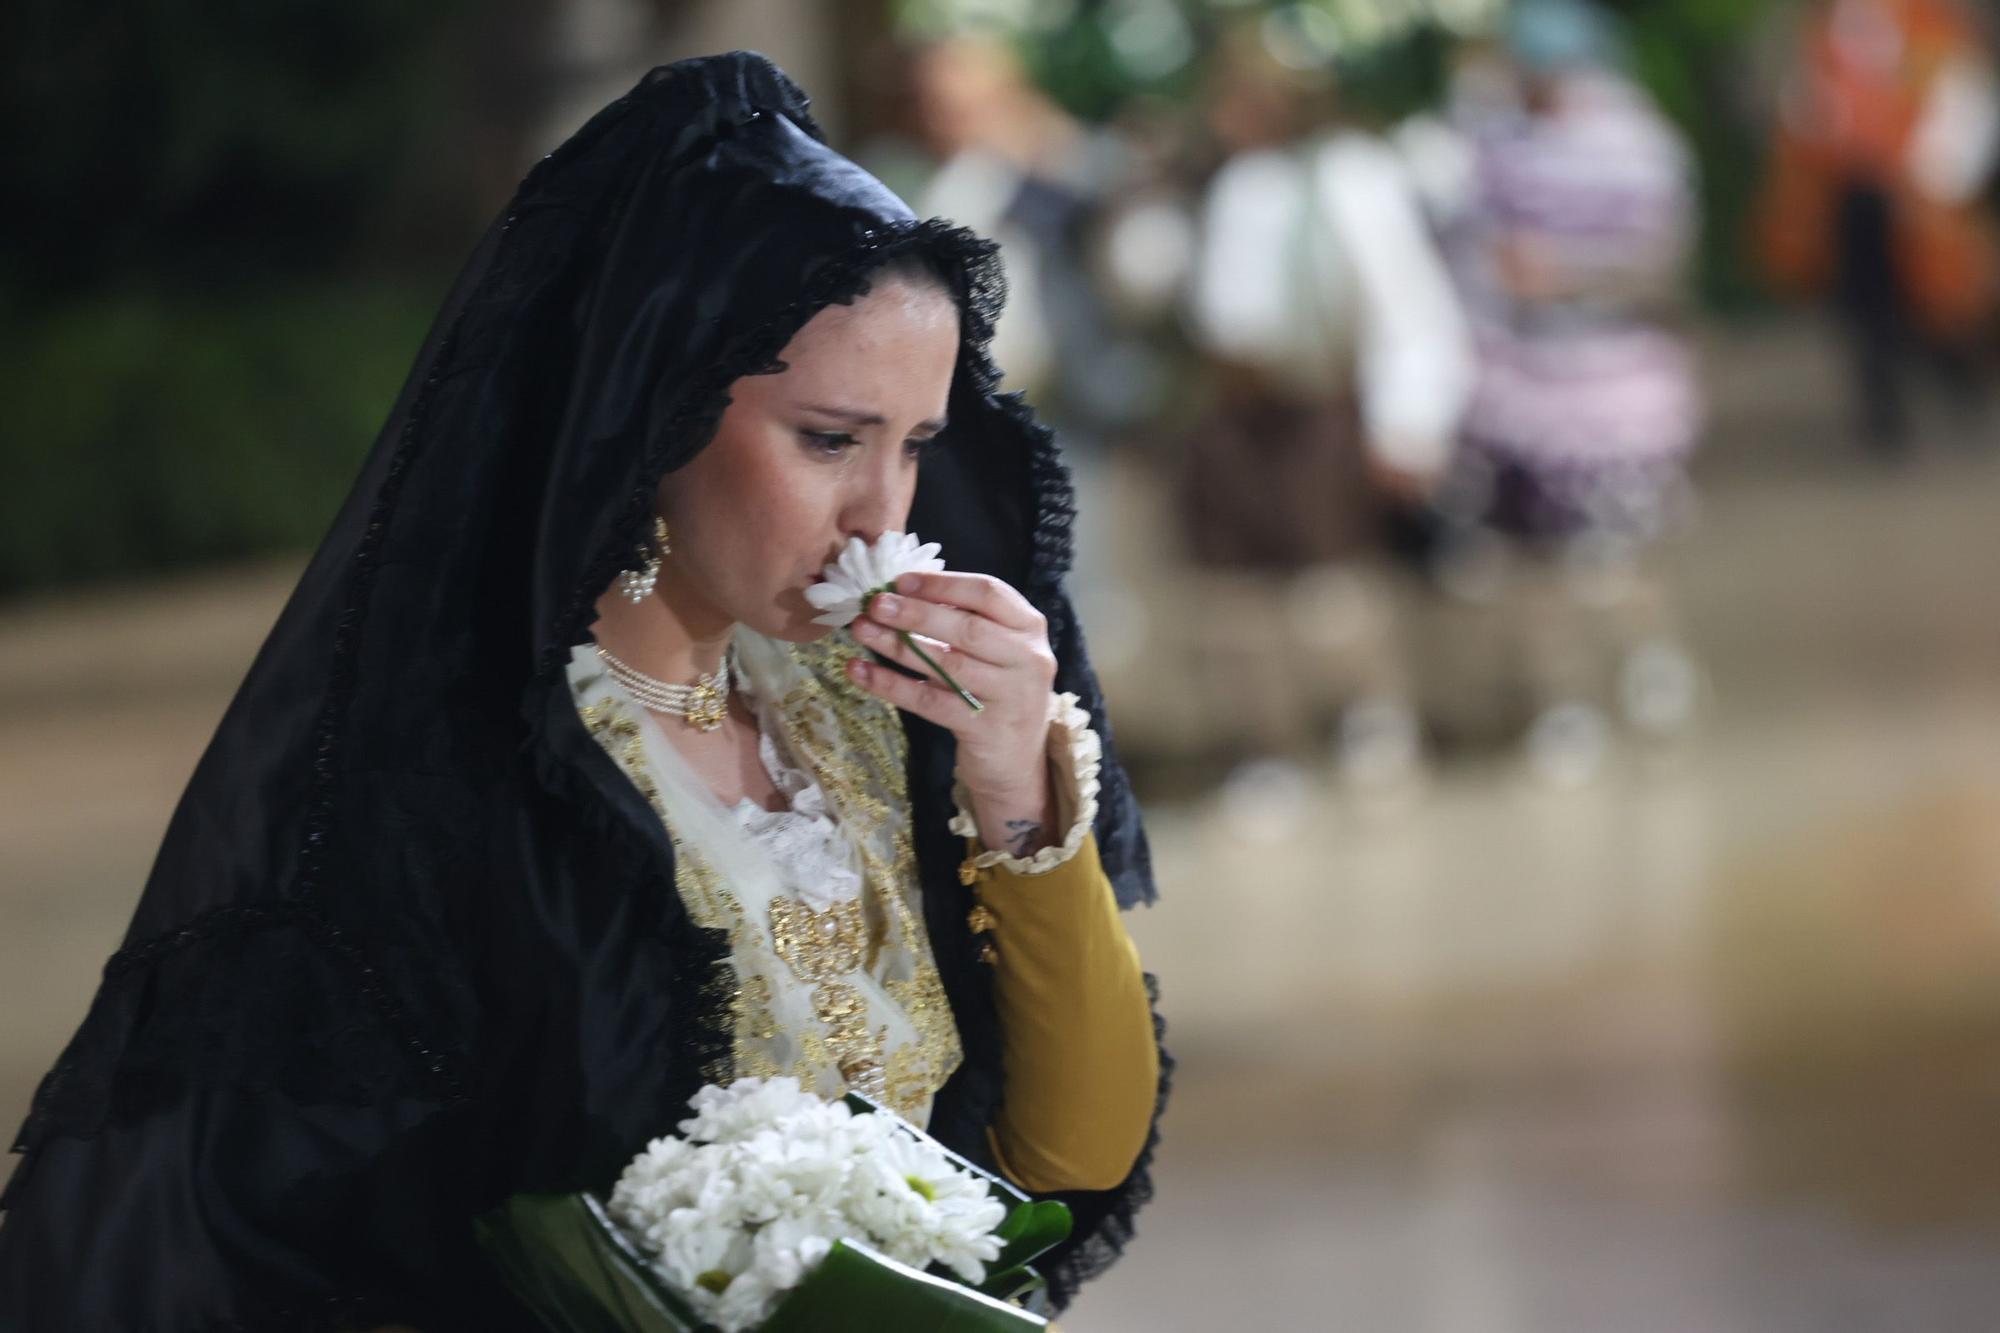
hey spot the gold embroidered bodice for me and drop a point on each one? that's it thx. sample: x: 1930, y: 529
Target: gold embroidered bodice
x: 834, y: 983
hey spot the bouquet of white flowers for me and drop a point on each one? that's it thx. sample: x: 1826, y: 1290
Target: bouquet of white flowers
x: 774, y: 1211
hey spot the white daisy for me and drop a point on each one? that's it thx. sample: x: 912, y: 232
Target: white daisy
x: 848, y: 584
x: 924, y: 1209
x: 863, y: 570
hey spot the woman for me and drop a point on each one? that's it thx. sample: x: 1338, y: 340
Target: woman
x: 466, y: 898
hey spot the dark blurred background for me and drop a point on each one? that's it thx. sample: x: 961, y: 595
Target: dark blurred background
x: 1539, y: 509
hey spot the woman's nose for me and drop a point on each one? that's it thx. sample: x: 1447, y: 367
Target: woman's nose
x: 881, y: 505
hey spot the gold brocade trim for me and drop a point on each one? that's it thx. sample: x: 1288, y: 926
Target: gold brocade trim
x: 758, y: 1024
x: 819, y: 946
x: 854, y: 744
x: 918, y: 1070
x: 857, y: 1050
x: 701, y: 889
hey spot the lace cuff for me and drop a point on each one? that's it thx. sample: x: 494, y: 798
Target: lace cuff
x: 1074, y: 754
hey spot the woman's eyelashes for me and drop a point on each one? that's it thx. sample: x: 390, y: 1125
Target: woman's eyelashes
x: 829, y: 442
x: 833, y: 443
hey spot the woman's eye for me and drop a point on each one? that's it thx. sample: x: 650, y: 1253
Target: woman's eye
x: 917, y: 448
x: 827, y: 441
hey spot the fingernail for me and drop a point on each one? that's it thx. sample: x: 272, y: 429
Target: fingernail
x: 909, y: 582
x: 888, y: 604
x: 858, y: 669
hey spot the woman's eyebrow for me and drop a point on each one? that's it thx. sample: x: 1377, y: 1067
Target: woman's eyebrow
x: 857, y: 417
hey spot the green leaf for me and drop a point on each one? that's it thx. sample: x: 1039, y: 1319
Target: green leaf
x: 1015, y: 1285
x: 855, y: 1289
x: 1030, y: 1230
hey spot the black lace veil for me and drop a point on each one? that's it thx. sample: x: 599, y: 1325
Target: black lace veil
x: 411, y: 943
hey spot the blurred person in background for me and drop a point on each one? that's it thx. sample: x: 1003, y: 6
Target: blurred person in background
x: 1340, y: 364
x: 1570, y: 246
x: 1888, y: 125
x: 548, y: 799
x: 1008, y: 162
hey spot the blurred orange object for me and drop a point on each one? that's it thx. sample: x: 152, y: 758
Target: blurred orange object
x: 1866, y: 75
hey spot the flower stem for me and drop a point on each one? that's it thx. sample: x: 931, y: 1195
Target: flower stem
x: 942, y: 673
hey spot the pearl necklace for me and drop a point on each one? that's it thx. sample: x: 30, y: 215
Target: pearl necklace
x: 703, y: 705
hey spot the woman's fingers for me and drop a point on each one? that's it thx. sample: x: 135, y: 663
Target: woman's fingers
x: 993, y: 598
x: 933, y: 703
x: 971, y: 634
x: 970, y: 672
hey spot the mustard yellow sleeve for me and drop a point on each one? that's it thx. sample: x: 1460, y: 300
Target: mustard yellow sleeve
x: 1076, y: 1027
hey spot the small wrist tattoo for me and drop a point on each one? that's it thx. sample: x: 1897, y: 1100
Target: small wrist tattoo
x: 1022, y: 835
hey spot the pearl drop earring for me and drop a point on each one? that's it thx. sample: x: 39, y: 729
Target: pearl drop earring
x: 637, y: 584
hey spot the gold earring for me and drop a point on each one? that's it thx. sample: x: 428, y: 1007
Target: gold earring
x: 638, y: 583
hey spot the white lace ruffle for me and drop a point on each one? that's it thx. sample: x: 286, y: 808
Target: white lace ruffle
x: 805, y: 841
x: 1076, y: 753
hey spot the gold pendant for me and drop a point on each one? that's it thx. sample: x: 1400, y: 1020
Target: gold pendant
x: 709, y: 710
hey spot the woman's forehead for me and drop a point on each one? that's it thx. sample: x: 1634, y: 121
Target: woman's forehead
x: 896, y: 332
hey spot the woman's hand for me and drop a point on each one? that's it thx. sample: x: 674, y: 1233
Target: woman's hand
x: 996, y: 644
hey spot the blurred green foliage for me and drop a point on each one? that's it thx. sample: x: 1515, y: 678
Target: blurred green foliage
x: 1092, y: 56
x: 1694, y: 56
x: 220, y: 245
x: 148, y: 431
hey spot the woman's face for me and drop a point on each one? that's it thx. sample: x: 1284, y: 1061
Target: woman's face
x: 804, y: 459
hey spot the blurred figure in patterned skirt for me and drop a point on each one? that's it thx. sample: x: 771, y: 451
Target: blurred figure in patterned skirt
x: 1570, y: 245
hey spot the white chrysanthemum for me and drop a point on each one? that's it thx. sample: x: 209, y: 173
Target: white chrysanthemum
x: 863, y: 569
x: 770, y: 1178
x: 790, y: 1247
x: 925, y: 1210
x: 725, y: 1114
x: 746, y: 1303
x: 702, y: 1260
x: 782, y: 1175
